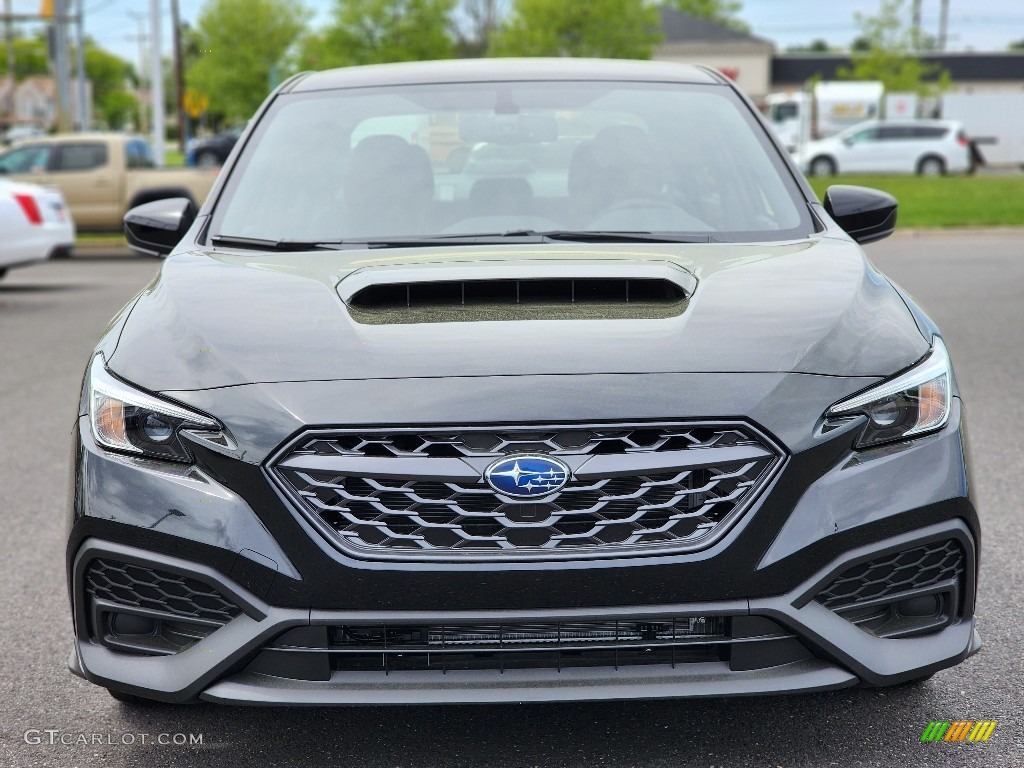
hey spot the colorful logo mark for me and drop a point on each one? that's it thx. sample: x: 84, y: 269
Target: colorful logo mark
x: 958, y: 730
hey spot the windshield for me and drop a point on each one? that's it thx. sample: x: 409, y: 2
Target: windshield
x: 511, y: 157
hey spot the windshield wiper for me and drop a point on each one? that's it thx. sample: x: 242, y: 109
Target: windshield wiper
x: 476, y: 238
x: 415, y: 241
x: 265, y: 244
x: 598, y: 236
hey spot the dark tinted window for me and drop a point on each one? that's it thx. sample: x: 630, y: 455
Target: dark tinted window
x: 891, y: 132
x: 928, y: 132
x: 82, y: 157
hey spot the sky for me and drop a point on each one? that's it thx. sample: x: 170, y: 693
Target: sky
x: 980, y: 25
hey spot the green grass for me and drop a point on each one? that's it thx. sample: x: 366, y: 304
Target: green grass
x: 947, y: 201
x: 173, y: 158
x: 105, y: 239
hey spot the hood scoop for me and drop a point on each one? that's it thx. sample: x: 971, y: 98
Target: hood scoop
x: 526, y: 291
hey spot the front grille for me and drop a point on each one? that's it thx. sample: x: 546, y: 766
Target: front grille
x: 918, y: 568
x: 412, y: 494
x: 353, y: 651
x: 142, y: 587
x: 501, y: 647
x: 564, y: 441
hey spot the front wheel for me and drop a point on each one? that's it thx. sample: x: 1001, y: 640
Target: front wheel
x: 823, y: 166
x: 207, y: 160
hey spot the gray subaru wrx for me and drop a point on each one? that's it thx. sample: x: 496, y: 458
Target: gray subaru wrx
x: 516, y: 381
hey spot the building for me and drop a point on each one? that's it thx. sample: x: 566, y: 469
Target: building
x: 971, y: 72
x: 755, y: 66
x: 34, y: 102
x: 742, y: 57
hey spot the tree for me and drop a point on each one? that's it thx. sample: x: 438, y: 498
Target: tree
x: 29, y: 58
x: 111, y: 76
x: 624, y: 29
x: 721, y: 12
x: 477, y: 23
x: 242, y: 48
x: 381, y: 31
x: 1017, y: 45
x: 890, y: 56
x: 815, y: 46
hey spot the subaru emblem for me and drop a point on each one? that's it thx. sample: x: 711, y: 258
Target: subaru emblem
x: 526, y: 476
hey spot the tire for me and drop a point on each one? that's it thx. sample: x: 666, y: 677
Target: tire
x: 931, y: 166
x: 822, y: 166
x: 207, y: 160
x: 3, y: 272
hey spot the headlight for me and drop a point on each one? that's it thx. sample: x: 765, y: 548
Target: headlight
x: 126, y: 419
x: 914, y: 403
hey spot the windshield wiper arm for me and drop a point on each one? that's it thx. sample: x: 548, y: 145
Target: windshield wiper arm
x: 266, y: 244
x: 476, y: 238
x: 606, y: 236
x: 414, y: 241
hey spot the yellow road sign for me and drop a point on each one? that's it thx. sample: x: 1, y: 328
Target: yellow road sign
x: 195, y: 102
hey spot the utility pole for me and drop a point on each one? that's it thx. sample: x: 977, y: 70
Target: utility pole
x: 179, y: 78
x: 83, y: 106
x: 915, y: 24
x: 141, y: 38
x: 9, y: 34
x: 156, y: 87
x: 943, y: 26
x: 62, y: 64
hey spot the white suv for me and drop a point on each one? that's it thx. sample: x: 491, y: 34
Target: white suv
x: 926, y: 147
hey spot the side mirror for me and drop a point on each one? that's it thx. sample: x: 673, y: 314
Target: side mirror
x: 153, y: 229
x: 864, y: 214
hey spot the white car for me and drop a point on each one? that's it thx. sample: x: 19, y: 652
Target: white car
x: 925, y: 147
x: 35, y: 224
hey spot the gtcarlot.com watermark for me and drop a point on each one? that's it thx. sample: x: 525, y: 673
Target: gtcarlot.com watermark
x: 55, y: 736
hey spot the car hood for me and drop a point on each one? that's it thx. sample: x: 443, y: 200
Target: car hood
x: 217, y: 318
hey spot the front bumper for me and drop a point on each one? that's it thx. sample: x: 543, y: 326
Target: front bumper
x: 815, y: 650
x: 829, y: 510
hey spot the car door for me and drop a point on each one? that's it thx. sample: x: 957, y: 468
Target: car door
x: 82, y: 170
x: 859, y: 150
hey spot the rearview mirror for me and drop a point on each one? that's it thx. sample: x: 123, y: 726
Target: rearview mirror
x: 153, y: 229
x: 864, y: 214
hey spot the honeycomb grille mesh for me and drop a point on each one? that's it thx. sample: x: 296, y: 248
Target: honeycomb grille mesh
x: 143, y: 587
x: 428, y: 516
x: 899, y: 572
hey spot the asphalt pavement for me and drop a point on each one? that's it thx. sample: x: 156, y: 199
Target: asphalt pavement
x: 50, y: 318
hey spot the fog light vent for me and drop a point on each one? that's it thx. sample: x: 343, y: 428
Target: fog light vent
x: 925, y: 566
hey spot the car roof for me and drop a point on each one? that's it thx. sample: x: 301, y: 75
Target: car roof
x: 491, y: 70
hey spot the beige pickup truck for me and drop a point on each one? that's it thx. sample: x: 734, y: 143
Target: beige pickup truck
x: 102, y: 175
